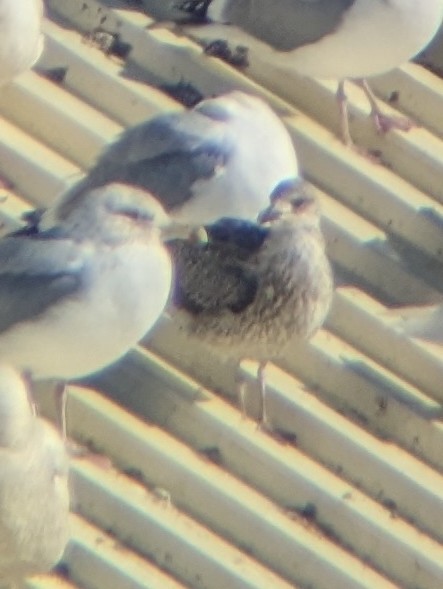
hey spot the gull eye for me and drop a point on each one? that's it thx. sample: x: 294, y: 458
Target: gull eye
x: 136, y: 214
x: 301, y: 204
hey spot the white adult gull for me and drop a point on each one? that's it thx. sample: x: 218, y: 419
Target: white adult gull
x: 222, y: 158
x: 75, y: 298
x: 34, y: 494
x: 330, y: 39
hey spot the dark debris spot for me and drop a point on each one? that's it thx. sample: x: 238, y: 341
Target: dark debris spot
x: 32, y: 218
x: 376, y: 154
x: 134, y: 473
x: 196, y: 8
x: 237, y: 57
x: 382, y: 404
x: 394, y: 97
x: 389, y: 503
x: 213, y: 454
x: 109, y: 43
x: 240, y: 57
x: 184, y: 92
x: 309, y: 511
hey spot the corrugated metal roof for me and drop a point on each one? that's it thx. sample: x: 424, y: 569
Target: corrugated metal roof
x: 350, y: 495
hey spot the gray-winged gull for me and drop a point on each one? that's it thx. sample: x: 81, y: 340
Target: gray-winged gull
x: 34, y: 495
x: 332, y: 39
x: 222, y: 158
x: 75, y: 298
x: 252, y: 287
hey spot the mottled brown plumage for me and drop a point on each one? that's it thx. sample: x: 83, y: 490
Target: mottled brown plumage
x: 253, y: 287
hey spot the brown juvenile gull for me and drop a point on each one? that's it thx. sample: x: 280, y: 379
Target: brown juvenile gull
x: 34, y: 495
x: 252, y: 287
x: 75, y: 298
x: 21, y: 40
x: 222, y: 158
x: 330, y: 39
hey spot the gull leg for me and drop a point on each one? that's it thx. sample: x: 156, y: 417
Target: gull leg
x: 344, y: 114
x: 383, y: 122
x: 73, y: 448
x: 61, y: 398
x: 27, y: 377
x: 261, y: 377
x: 264, y: 422
x: 344, y: 125
x: 241, y: 392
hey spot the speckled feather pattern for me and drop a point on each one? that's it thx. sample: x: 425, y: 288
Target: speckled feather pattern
x: 258, y: 301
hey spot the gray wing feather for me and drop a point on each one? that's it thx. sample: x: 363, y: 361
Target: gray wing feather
x: 212, y: 278
x: 169, y: 133
x: 35, y: 274
x: 287, y: 24
x: 166, y: 155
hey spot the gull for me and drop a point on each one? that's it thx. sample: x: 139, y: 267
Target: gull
x: 21, y: 40
x: 254, y: 286
x: 328, y: 39
x: 77, y: 297
x: 222, y: 158
x: 34, y: 494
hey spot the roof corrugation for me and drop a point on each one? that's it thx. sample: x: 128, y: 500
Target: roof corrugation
x: 352, y: 495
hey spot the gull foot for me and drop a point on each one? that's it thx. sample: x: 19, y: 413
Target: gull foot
x: 385, y: 123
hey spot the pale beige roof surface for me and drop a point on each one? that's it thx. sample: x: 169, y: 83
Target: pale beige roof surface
x: 352, y: 496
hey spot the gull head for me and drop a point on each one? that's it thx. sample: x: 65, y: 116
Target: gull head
x: 117, y: 212
x: 292, y: 203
